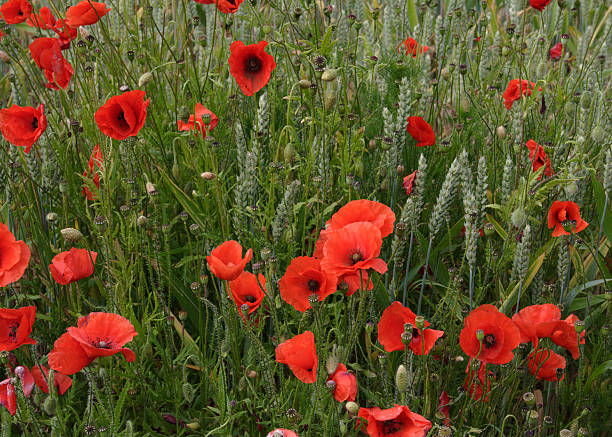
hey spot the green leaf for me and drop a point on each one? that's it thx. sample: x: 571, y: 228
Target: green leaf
x: 600, y: 200
x: 598, y: 371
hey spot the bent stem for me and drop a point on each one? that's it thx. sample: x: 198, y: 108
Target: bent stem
x: 424, y: 275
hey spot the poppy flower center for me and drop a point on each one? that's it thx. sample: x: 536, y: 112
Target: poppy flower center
x: 12, y: 335
x: 253, y: 65
x: 355, y: 257
x: 35, y: 123
x: 415, y: 333
x: 313, y: 285
x: 489, y: 341
x: 102, y: 344
x: 391, y: 426
x: 250, y: 299
x: 231, y: 2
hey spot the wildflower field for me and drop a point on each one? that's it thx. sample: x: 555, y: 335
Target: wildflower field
x: 305, y: 218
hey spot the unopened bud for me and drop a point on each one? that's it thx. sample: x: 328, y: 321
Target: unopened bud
x: 304, y: 84
x: 352, y: 407
x: 71, y: 235
x: 50, y: 406
x: 565, y: 433
x: 151, y: 190
x: 329, y: 75
x: 194, y: 426
x: 401, y: 378
x: 52, y: 217
x: 4, y: 57
x: 145, y: 79
x: 188, y: 392
x: 500, y: 131
x: 208, y: 176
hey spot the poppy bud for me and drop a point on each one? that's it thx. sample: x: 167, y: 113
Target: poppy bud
x: 565, y: 433
x: 289, y: 153
x: 372, y: 144
x: 145, y: 79
x: 445, y: 73
x: 4, y: 57
x: 297, y: 13
x: 208, y: 176
x: 532, y: 417
x: 142, y: 221
x: 329, y: 101
x: 598, y: 134
x: 188, y: 392
x: 304, y: 84
x: 150, y: 188
x: 358, y: 168
x: 266, y: 30
x: 50, y: 406
x: 352, y: 407
x: 329, y: 75
x: 343, y: 427
x: 401, y: 378
x: 400, y: 170
x: 505, y: 51
x: 194, y: 426
x: 71, y: 235
x: 331, y: 364
x: 52, y: 217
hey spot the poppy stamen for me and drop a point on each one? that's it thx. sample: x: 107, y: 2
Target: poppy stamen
x: 103, y: 344
x: 489, y: 341
x: 35, y: 123
x: 391, y: 426
x: 13, y: 332
x: 313, y: 285
x: 250, y: 299
x: 253, y: 65
x: 355, y: 257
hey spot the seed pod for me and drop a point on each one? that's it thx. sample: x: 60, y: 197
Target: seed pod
x: 304, y: 84
x: 329, y: 75
x: 71, y: 235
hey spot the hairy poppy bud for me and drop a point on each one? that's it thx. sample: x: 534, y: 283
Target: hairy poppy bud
x: 289, y: 153
x: 145, y: 79
x: 565, y: 433
x: 598, y: 134
x: 518, y: 218
x: 188, y: 392
x: 329, y: 75
x: 401, y: 378
x: 50, y: 406
x: 352, y: 407
x: 71, y: 235
x: 304, y: 84
x: 52, y: 217
x: 4, y: 57
x: 150, y: 188
x: 208, y: 176
x: 329, y: 101
x: 142, y: 221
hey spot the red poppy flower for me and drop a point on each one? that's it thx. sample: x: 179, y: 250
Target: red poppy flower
x: 346, y: 384
x: 41, y: 378
x: 64, y: 33
x: 226, y: 262
x: 304, y: 277
x: 228, y: 6
x: 123, y: 116
x: 84, y: 13
x: 563, y: 215
x: 353, y: 248
x: 8, y: 398
x: 251, y: 66
x: 93, y: 172
x: 536, y: 321
x: 500, y: 336
x: 397, y: 421
x: 543, y: 364
x: 361, y: 210
x: 43, y: 20
x: 23, y: 125
x: 281, y: 432
x: 47, y: 53
x: 475, y: 381
x: 16, y: 327
x: 412, y: 47
x: 16, y: 11
x: 409, y: 182
x: 391, y: 327
x: 26, y: 379
x: 197, y: 122
x: 355, y: 281
x: 300, y: 354
x: 444, y: 407
x: 539, y: 158
x: 72, y: 265
x: 96, y: 335
x: 539, y: 4
x: 556, y: 51
x: 421, y: 131
x: 564, y: 334
x: 515, y: 89
x: 14, y: 257
x: 245, y: 290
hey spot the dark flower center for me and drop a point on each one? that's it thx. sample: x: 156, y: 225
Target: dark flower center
x: 121, y: 116
x: 102, y: 343
x: 355, y: 257
x: 253, y: 65
x: 12, y: 335
x: 391, y: 426
x: 250, y: 299
x: 313, y: 285
x: 35, y: 123
x: 415, y: 333
x: 231, y: 2
x: 489, y: 341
